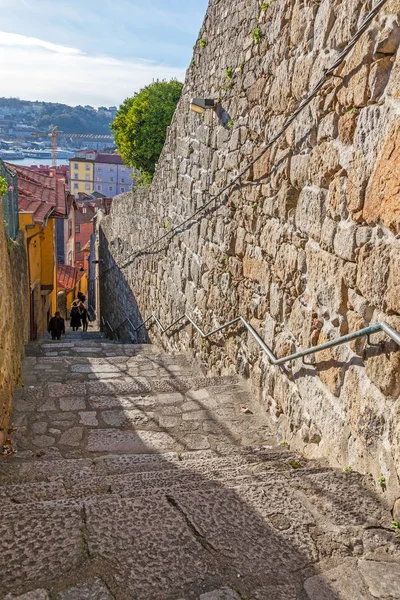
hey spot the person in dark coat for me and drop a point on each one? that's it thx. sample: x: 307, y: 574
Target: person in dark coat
x: 84, y: 315
x: 75, y: 317
x: 56, y: 326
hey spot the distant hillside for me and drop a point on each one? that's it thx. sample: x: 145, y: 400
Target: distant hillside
x: 69, y: 119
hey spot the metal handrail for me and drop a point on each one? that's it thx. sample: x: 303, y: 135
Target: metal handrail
x: 367, y: 331
x: 127, y: 320
x: 105, y: 322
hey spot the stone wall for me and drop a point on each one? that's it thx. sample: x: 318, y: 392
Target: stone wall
x: 14, y: 320
x: 307, y: 247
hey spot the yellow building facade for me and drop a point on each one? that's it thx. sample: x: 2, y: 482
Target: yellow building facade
x: 41, y: 200
x: 81, y: 172
x: 40, y: 252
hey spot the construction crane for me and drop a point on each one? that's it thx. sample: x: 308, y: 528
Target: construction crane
x: 54, y: 133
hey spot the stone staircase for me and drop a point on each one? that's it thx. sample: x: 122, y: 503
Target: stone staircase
x: 137, y: 478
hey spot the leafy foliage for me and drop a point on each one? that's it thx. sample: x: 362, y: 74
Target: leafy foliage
x: 257, y: 35
x: 141, y: 123
x: 69, y: 119
x: 202, y: 43
x: 3, y: 186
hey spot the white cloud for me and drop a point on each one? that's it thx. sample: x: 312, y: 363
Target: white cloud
x: 22, y: 41
x: 35, y: 69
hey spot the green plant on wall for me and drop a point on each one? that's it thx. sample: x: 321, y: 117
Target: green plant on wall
x: 229, y: 72
x: 382, y: 482
x: 202, y: 43
x: 396, y: 528
x: 257, y: 35
x: 3, y: 186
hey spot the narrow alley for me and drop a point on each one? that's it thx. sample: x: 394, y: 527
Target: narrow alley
x: 136, y: 476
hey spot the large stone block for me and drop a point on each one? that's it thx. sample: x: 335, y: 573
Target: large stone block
x: 255, y: 266
x: 285, y: 266
x: 354, y: 89
x: 324, y: 163
x: 382, y: 202
x: 345, y: 241
x: 377, y: 276
x: 325, y: 279
x: 347, y: 127
x: 310, y: 211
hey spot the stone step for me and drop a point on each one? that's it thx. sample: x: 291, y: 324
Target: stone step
x: 79, y: 347
x: 103, y: 501
x: 144, y: 484
x: 124, y: 386
x: 79, y: 427
x: 31, y: 469
x: 64, y: 369
x: 197, y: 538
x: 30, y: 481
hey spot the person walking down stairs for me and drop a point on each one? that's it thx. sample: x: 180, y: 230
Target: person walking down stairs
x: 75, y: 316
x: 83, y: 313
x: 56, y: 326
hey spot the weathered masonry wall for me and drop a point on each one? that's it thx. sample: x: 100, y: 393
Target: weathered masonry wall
x: 14, y: 320
x: 307, y: 248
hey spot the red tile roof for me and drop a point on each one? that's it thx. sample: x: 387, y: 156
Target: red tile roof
x: 40, y: 194
x: 67, y: 277
x: 110, y: 159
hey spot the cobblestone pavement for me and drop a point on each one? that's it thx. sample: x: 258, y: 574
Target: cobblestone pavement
x: 137, y: 478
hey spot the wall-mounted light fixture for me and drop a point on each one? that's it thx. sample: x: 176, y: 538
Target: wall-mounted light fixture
x: 199, y: 105
x: 96, y: 262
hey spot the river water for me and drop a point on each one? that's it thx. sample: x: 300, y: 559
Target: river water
x: 28, y: 162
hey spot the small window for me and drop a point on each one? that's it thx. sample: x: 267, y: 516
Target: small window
x: 84, y: 210
x: 76, y: 175
x: 122, y: 189
x: 122, y: 179
x: 87, y: 167
x: 77, y: 228
x: 111, y: 178
x: 123, y: 169
x: 99, y: 187
x: 110, y: 188
x: 99, y: 178
x: 87, y: 177
x: 111, y: 169
x: 76, y: 186
x: 99, y: 168
x: 87, y: 186
x: 77, y: 247
x: 69, y: 228
x: 75, y: 165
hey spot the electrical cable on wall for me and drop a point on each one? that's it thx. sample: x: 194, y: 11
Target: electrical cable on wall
x: 329, y: 72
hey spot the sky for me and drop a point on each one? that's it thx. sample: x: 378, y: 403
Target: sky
x: 95, y: 52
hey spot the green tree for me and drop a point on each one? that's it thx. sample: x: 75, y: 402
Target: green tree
x: 141, y: 123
